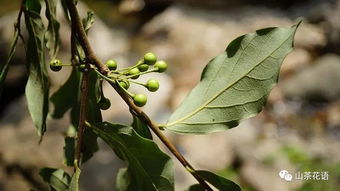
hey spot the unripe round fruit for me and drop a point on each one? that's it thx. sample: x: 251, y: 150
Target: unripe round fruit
x: 139, y: 100
x: 124, y: 84
x: 111, y: 64
x: 152, y: 85
x: 82, y: 67
x: 161, y: 65
x: 150, y: 58
x: 104, y: 103
x: 134, y: 71
x: 143, y: 67
x: 55, y: 65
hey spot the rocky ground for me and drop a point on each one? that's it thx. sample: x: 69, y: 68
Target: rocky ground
x: 297, y: 131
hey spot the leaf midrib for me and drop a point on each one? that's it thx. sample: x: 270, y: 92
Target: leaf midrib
x: 219, y: 93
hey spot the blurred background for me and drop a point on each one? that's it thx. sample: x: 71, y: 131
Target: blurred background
x: 298, y: 131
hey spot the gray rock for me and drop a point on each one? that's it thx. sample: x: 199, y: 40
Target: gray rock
x: 318, y: 82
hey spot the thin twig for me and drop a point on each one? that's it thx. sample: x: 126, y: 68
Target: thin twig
x: 82, y: 115
x: 79, y: 33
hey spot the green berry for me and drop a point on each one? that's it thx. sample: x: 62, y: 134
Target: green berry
x: 82, y: 68
x: 161, y: 65
x: 152, y: 85
x: 56, y: 65
x: 104, y: 104
x: 111, y: 64
x: 124, y: 84
x: 150, y: 58
x: 143, y: 67
x: 134, y: 71
x: 139, y: 100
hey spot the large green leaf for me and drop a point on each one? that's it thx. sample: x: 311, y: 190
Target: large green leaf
x: 56, y: 178
x: 218, y: 182
x: 52, y: 34
x: 149, y: 167
x: 234, y: 85
x: 37, y: 87
x: 4, y: 67
x: 67, y: 95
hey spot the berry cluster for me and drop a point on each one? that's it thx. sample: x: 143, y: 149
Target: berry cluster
x: 123, y: 77
x: 146, y: 65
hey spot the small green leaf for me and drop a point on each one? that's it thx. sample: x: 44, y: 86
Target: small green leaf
x: 74, y: 184
x: 37, y: 87
x: 218, y: 182
x: 234, y: 85
x: 4, y: 68
x: 56, y: 178
x: 67, y: 95
x: 141, y: 128
x: 52, y: 34
x: 88, y: 21
x: 65, y: 10
x: 149, y: 167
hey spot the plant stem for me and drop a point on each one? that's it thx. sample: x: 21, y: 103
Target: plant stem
x: 79, y: 32
x: 82, y: 115
x: 78, y: 28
